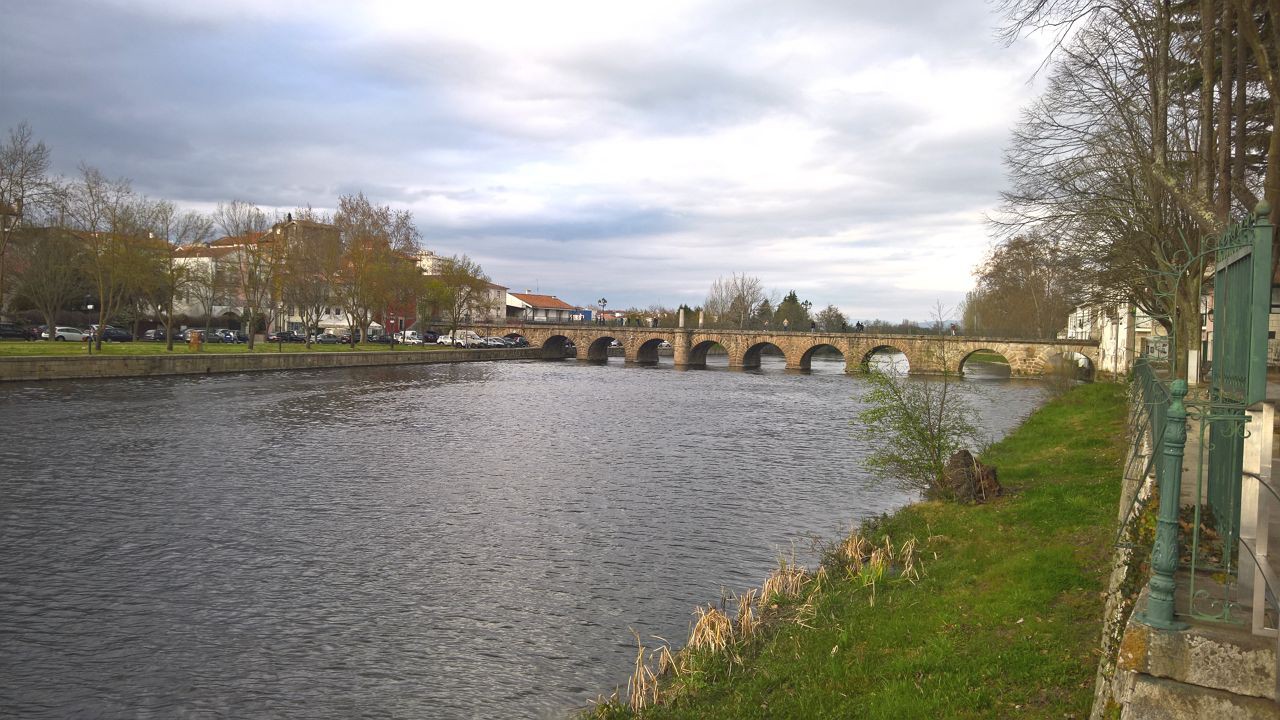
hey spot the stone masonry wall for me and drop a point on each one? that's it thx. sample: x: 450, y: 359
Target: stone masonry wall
x: 76, y: 367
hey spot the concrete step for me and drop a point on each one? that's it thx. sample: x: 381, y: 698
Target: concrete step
x: 1216, y: 656
x: 1156, y: 698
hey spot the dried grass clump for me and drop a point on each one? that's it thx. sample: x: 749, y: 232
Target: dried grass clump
x: 907, y: 558
x: 785, y: 583
x: 747, y: 621
x: 667, y: 661
x: 870, y: 565
x: 642, y: 686
x: 712, y: 631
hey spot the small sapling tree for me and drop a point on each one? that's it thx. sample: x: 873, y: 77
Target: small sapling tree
x: 917, y: 424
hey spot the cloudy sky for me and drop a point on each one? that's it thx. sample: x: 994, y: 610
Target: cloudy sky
x: 847, y: 149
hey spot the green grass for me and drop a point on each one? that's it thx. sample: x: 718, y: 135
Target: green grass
x: 1005, y: 621
x: 987, y: 357
x: 19, y: 348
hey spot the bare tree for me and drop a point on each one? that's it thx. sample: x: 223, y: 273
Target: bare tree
x: 48, y: 270
x: 174, y: 276
x: 377, y: 244
x: 112, y: 224
x: 310, y: 276
x: 211, y: 282
x: 1128, y: 159
x: 1026, y: 288
x: 734, y: 301
x: 256, y: 263
x: 832, y: 320
x: 24, y: 187
x: 459, y: 291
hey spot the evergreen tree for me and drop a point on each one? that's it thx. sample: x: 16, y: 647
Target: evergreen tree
x: 792, y: 314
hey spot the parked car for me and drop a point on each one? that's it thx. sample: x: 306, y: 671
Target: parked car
x: 65, y: 333
x: 409, y: 337
x: 328, y: 339
x: 470, y: 339
x: 232, y: 336
x: 380, y: 339
x: 430, y: 336
x: 495, y: 342
x: 520, y: 341
x: 346, y: 337
x: 11, y: 330
x: 288, y: 336
x: 156, y: 335
x: 208, y: 338
x: 115, y: 334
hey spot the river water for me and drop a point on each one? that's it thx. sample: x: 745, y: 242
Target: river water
x: 442, y: 541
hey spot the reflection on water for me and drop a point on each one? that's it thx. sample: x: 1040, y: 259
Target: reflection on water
x: 443, y: 541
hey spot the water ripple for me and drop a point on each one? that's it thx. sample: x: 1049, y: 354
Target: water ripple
x: 446, y: 541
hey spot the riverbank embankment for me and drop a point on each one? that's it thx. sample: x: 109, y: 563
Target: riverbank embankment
x: 972, y: 611
x: 55, y: 367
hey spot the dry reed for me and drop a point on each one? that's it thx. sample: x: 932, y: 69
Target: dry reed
x: 785, y: 583
x: 713, y: 630
x: 747, y: 623
x: 642, y: 686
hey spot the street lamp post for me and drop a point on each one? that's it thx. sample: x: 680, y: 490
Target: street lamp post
x: 88, y: 306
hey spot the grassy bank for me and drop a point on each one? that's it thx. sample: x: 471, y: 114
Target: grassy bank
x: 19, y: 348
x: 988, y: 357
x: 1003, y: 619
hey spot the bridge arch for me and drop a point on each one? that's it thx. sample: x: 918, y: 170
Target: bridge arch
x: 985, y: 362
x: 556, y: 346
x: 698, y: 352
x: 820, y: 349
x: 647, y: 351
x: 885, y: 358
x: 751, y: 357
x: 598, y: 349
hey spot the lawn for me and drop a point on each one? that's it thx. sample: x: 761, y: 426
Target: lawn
x: 1004, y: 620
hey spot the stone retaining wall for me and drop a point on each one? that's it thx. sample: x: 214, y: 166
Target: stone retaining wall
x: 99, y: 366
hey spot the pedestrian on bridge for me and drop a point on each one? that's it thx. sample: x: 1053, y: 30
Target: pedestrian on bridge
x: 786, y: 324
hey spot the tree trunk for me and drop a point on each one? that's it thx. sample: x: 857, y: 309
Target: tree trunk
x: 1226, y: 52
x: 168, y: 327
x: 1205, y: 174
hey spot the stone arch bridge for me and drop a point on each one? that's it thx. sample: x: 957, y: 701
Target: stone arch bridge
x: 926, y: 354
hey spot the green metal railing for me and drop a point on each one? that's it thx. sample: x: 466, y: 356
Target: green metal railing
x: 1199, y: 532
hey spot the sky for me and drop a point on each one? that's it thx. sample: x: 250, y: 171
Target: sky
x: 845, y: 149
